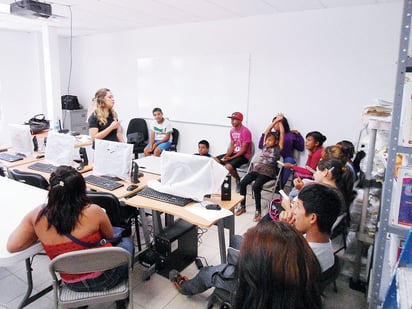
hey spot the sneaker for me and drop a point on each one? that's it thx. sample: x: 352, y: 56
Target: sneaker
x: 177, y: 279
x: 240, y: 210
x: 257, y: 217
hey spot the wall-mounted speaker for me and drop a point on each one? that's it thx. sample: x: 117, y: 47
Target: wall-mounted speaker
x: 134, y: 174
x: 226, y: 190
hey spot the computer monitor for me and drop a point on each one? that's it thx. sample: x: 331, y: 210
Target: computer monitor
x: 60, y: 148
x: 21, y: 139
x: 189, y: 175
x: 112, y: 159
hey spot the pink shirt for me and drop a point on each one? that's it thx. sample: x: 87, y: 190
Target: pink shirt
x: 240, y: 137
x: 312, y: 161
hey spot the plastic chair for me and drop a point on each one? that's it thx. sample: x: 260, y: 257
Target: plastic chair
x: 121, y: 216
x: 90, y: 260
x: 137, y: 134
x: 32, y: 179
x: 175, y: 140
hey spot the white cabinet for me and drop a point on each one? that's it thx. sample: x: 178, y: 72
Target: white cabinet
x: 75, y: 120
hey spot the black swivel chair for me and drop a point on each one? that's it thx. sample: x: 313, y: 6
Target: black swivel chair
x: 121, y: 216
x: 31, y: 179
x: 175, y: 139
x: 137, y: 134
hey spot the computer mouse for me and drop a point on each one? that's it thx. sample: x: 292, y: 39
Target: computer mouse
x: 131, y: 187
x: 213, y: 207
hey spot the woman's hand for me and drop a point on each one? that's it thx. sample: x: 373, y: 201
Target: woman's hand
x: 287, y: 165
x: 115, y: 125
x: 298, y: 183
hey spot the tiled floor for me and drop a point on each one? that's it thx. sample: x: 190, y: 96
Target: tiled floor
x: 157, y: 292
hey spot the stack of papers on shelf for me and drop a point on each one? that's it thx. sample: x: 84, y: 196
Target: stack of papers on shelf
x: 380, y: 109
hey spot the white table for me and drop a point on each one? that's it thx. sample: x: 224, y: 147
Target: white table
x: 18, y: 199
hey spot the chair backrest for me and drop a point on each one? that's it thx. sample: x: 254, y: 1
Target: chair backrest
x: 110, y: 203
x: 138, y: 125
x: 85, y: 261
x: 119, y: 215
x: 330, y: 275
x: 175, y: 139
x: 90, y: 260
x: 31, y: 179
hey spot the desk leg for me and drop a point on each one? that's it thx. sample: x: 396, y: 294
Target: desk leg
x: 27, y: 299
x: 157, y: 222
x: 222, y: 243
x: 229, y: 223
x: 145, y: 227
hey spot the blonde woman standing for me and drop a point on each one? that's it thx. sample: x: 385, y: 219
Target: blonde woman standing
x: 103, y: 122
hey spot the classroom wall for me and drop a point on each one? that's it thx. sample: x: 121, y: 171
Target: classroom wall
x: 21, y: 91
x: 320, y: 68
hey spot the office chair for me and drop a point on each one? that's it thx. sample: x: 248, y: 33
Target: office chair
x: 137, y: 134
x: 330, y: 275
x: 121, y: 216
x: 85, y: 261
x: 175, y: 139
x: 31, y: 179
x: 2, y: 170
x: 340, y: 228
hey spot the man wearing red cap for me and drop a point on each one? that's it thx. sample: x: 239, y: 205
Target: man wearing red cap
x: 239, y: 151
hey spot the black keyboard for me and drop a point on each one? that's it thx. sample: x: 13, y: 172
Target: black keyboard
x: 9, y: 157
x: 164, y: 197
x: 103, y: 182
x: 43, y: 167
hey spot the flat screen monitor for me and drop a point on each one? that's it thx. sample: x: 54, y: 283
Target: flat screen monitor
x: 189, y: 175
x: 60, y: 148
x: 112, y: 159
x: 21, y: 139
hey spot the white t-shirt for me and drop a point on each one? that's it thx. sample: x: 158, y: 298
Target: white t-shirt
x: 324, y: 254
x: 161, y: 129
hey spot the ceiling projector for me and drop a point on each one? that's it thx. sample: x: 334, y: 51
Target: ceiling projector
x: 30, y: 8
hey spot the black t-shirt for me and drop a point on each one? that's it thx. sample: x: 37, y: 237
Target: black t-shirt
x: 94, y: 123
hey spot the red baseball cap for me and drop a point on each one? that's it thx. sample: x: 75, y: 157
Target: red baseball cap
x: 236, y: 115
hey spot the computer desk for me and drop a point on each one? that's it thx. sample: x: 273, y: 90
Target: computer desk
x: 122, y: 192
x: 28, y: 159
x: 26, y: 168
x: 21, y: 199
x: 157, y: 207
x: 87, y: 170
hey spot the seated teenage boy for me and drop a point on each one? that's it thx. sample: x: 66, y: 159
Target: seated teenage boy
x: 161, y: 134
x: 240, y: 149
x: 313, y: 213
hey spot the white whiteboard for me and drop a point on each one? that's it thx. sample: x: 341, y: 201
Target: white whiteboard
x: 199, y: 89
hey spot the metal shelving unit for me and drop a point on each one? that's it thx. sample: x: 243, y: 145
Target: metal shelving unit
x: 379, y: 277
